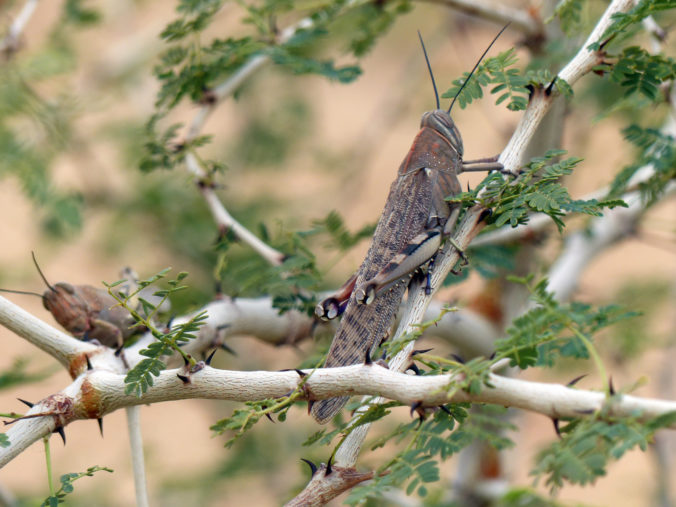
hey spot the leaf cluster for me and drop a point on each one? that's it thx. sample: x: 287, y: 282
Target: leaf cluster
x: 168, y: 339
x: 191, y: 68
x: 588, y: 445
x: 67, y: 481
x: 655, y: 149
x: 638, y: 71
x: 623, y: 21
x: 290, y: 284
x: 243, y: 419
x: 35, y: 129
x: 569, y: 13
x: 536, y: 189
x: 552, y: 329
x: 339, y: 237
x: 18, y: 374
x: 510, y: 84
x: 77, y: 13
x: 430, y: 442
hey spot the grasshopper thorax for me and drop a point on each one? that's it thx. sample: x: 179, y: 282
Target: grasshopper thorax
x: 441, y: 121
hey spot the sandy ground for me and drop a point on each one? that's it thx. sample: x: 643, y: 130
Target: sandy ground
x: 380, y: 110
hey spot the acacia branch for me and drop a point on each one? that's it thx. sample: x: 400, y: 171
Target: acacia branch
x: 519, y: 19
x: 541, y: 99
x: 64, y: 348
x: 99, y: 392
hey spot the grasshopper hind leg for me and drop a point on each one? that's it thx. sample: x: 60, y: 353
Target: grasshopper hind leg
x: 324, y: 410
x: 416, y: 253
x: 331, y: 307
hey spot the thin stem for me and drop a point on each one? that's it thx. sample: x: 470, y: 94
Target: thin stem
x: 48, y: 461
x: 225, y: 220
x: 594, y: 355
x: 171, y: 343
x: 137, y: 460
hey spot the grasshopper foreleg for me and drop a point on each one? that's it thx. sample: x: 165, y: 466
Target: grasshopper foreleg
x: 483, y: 164
x: 448, y: 230
x: 428, y: 276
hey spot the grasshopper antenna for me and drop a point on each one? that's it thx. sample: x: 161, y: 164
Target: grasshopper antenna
x: 475, y: 66
x: 429, y: 68
x: 28, y: 293
x: 41, y: 274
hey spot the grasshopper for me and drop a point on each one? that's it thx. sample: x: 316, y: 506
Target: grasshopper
x: 414, y: 223
x: 86, y: 312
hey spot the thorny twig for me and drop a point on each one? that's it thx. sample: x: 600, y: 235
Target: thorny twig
x: 9, y: 44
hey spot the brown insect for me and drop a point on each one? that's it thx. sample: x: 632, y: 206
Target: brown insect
x: 86, y: 312
x: 415, y: 222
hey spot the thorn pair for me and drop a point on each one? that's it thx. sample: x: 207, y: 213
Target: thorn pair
x: 611, y: 392
x: 306, y: 390
x: 413, y: 367
x: 314, y: 468
x: 186, y: 379
x: 59, y: 429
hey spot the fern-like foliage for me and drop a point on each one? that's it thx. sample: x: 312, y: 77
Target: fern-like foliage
x: 623, y: 21
x: 587, y: 446
x: 569, y: 13
x: 340, y: 238
x: 243, y: 419
x: 510, y: 84
x: 544, y: 78
x: 552, y: 329
x: 18, y: 374
x: 190, y: 69
x: 637, y: 71
x: 67, y: 488
x: 655, y: 149
x: 36, y: 124
x: 537, y: 189
x: 140, y: 378
x: 442, y: 436
x: 291, y: 284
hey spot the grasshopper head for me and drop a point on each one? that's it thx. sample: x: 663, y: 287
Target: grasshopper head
x: 441, y: 121
x: 67, y: 307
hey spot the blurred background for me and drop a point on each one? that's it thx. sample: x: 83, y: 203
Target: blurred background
x: 74, y: 98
